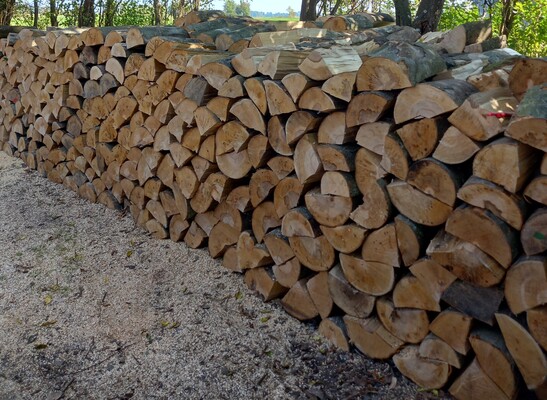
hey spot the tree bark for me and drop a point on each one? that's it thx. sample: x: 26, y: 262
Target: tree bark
x: 402, y: 13
x: 428, y: 15
x: 53, y: 13
x: 35, y: 14
x: 87, y: 15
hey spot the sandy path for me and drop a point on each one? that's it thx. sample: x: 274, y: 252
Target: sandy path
x: 92, y: 307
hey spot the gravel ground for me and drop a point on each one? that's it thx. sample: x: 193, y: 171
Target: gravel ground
x: 93, y: 308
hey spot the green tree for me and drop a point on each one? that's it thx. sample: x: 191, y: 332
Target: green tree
x: 291, y: 12
x: 243, y: 8
x: 230, y: 7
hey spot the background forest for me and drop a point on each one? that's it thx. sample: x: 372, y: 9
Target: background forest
x: 524, y: 22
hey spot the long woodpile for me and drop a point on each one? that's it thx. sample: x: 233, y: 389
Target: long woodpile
x: 393, y: 189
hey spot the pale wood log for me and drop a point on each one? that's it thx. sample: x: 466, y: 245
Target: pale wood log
x: 455, y: 147
x: 240, y: 198
x: 421, y: 137
x: 485, y: 194
x: 264, y: 219
x: 526, y: 284
x: 322, y: 64
x: 427, y: 373
x: 287, y: 195
x: 262, y: 280
x: 486, y: 231
x: 318, y: 288
x: 410, y: 292
x: 298, y: 302
x: 465, y: 260
x: 433, y: 277
x: 341, y: 86
x: 410, y: 239
x: 408, y: 325
x: 339, y: 183
x: 296, y: 84
x: 221, y: 237
x: 474, y: 383
x: 473, y: 116
x: 277, y: 136
x: 249, y: 254
x: 402, y: 62
x: 435, y: 98
x: 529, y: 124
x: 434, y: 179
x: 282, y: 166
x: 235, y: 165
x: 279, y: 63
x: 333, y: 129
x: 352, y: 22
x: 299, y: 123
x: 368, y: 107
x: 249, y: 115
x: 225, y: 40
x: 316, y: 253
x: 526, y: 73
x: 528, y: 356
x: 289, y: 272
x: 453, y: 327
x: 395, y: 157
x: 374, y: 278
x: 307, y: 163
x: 371, y: 338
x: 367, y: 167
x: 381, y: 246
x: 418, y: 206
x: 328, y: 210
x: 315, y: 99
x: 536, y: 190
x: 334, y: 330
x: 352, y: 301
x: 434, y: 348
x: 140, y: 36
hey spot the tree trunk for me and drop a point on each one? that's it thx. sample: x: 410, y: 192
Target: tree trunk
x: 157, y: 13
x: 53, y: 13
x: 6, y: 11
x: 87, y: 15
x: 402, y: 13
x: 110, y: 10
x: 35, y: 14
x: 428, y: 15
x: 507, y: 17
x: 308, y: 10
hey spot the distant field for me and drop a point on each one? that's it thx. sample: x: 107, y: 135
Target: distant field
x: 280, y: 19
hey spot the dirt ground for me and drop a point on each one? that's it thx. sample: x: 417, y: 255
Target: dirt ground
x: 93, y: 308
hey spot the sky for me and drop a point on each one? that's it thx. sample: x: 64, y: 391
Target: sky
x: 265, y: 5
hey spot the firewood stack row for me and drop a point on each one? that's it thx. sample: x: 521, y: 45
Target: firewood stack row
x: 392, y: 191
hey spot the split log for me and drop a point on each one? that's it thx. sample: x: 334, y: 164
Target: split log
x: 371, y: 338
x: 537, y: 324
x: 453, y: 327
x: 428, y: 100
x: 408, y: 325
x: 334, y: 330
x: 345, y: 238
x: 370, y: 277
x: 315, y: 253
x: 322, y: 64
x: 420, y: 138
x: 350, y: 300
x: 435, y: 348
x: 298, y: 302
x: 434, y: 279
x: 526, y: 73
x: 486, y: 231
x: 262, y: 280
x: 368, y: 107
x: 402, y: 62
x: 410, y: 239
x: 474, y: 383
x: 487, y: 195
x: 455, y: 147
x: 536, y: 190
x: 465, y: 260
x: 328, y: 210
x: 526, y: 284
x: 527, y: 354
x: 427, y: 373
x: 409, y: 292
x: 529, y: 124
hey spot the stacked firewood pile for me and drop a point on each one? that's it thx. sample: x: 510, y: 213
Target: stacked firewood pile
x: 392, y: 189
